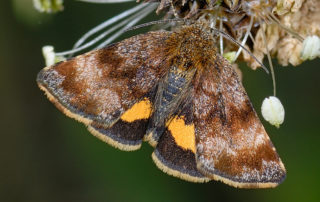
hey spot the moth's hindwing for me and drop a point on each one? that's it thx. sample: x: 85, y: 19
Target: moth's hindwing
x: 127, y: 133
x: 175, y: 151
x: 232, y: 144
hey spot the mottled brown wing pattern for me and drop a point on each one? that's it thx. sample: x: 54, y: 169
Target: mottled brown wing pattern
x: 101, y: 85
x: 232, y: 144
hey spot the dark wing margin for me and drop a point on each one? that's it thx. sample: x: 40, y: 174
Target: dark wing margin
x: 97, y: 88
x: 175, y: 151
x: 122, y: 135
x: 127, y: 133
x: 232, y: 144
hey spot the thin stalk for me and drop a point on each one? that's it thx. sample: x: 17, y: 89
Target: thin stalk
x: 269, y: 60
x: 221, y: 37
x: 104, y: 34
x: 108, y: 23
x: 134, y: 21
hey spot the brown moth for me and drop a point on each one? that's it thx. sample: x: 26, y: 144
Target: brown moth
x: 175, y: 91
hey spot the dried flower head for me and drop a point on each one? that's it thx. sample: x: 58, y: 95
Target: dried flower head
x: 265, y: 27
x: 274, y: 27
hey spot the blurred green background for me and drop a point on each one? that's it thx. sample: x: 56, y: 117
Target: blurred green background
x: 46, y: 156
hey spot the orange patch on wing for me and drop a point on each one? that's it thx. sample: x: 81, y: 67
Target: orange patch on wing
x: 140, y: 110
x: 183, y: 134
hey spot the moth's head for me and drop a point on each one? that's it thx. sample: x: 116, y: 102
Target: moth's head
x: 194, y: 46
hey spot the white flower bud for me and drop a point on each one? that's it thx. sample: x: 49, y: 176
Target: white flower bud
x: 273, y: 111
x: 50, y: 56
x: 311, y: 48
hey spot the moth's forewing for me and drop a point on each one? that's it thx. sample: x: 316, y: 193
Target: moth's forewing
x: 175, y: 151
x: 97, y: 88
x: 232, y: 144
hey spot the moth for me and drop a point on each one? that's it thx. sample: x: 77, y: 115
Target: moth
x: 173, y: 90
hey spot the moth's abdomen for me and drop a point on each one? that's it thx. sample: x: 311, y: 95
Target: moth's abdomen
x: 173, y: 87
x: 171, y: 92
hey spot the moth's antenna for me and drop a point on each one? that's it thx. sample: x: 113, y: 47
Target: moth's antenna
x: 245, y: 38
x: 230, y: 38
x: 156, y: 22
x: 273, y: 18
